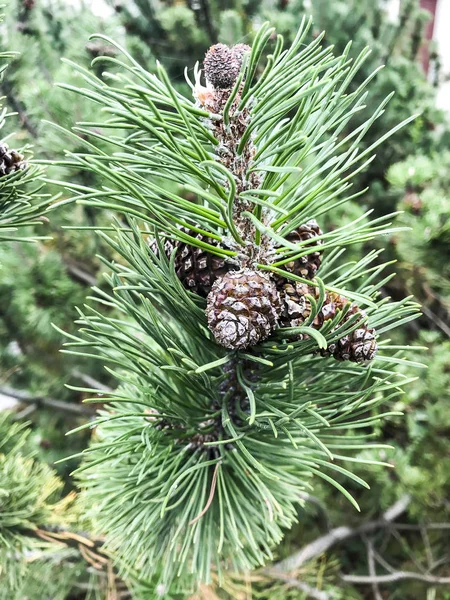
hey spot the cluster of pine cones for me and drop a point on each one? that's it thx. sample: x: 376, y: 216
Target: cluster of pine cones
x: 246, y: 304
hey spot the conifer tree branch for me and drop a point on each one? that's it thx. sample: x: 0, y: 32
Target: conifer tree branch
x: 222, y: 417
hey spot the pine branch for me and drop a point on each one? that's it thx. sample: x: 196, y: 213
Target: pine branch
x: 372, y: 569
x: 80, y: 274
x: 219, y: 423
x: 90, y: 381
x: 22, y: 203
x: 90, y: 549
x: 442, y: 325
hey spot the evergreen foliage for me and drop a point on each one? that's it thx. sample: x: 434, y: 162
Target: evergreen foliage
x: 40, y: 284
x: 174, y: 30
x: 32, y: 299
x: 395, y: 45
x: 20, y: 198
x: 202, y: 455
x: 239, y: 420
x: 42, y: 554
x: 422, y: 185
x: 28, y: 491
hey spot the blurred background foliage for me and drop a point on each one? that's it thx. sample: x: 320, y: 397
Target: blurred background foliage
x: 41, y: 284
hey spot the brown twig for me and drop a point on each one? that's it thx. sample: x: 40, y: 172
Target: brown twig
x: 91, y: 381
x: 27, y: 398
x: 411, y: 527
x: 79, y: 274
x: 383, y: 562
x: 208, y: 21
x: 395, y: 576
x: 372, y: 569
x: 20, y: 109
x: 91, y: 550
x: 337, y: 535
x: 431, y: 316
x: 211, y: 496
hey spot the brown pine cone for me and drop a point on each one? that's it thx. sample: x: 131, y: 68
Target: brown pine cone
x: 196, y: 268
x: 222, y: 64
x: 308, y: 265
x: 10, y: 160
x: 358, y: 346
x: 242, y: 308
x: 295, y: 306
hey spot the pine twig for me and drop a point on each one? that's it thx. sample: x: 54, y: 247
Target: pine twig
x: 395, y: 576
x: 431, y: 316
x: 60, y: 405
x: 337, y: 535
x: 211, y: 496
x: 208, y: 21
x: 19, y: 109
x: 70, y: 539
x: 372, y: 570
x: 311, y: 592
x: 81, y: 275
x: 427, y: 526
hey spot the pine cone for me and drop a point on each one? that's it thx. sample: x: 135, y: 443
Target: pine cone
x: 295, y: 306
x: 196, y: 268
x: 242, y: 309
x: 239, y: 51
x: 10, y: 160
x: 308, y: 265
x: 222, y: 64
x: 358, y: 346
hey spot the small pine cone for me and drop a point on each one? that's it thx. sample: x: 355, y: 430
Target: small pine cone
x: 222, y: 64
x: 96, y: 49
x: 358, y: 346
x: 308, y: 265
x: 295, y: 306
x: 196, y: 268
x: 239, y: 51
x: 242, y: 308
x: 10, y: 160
